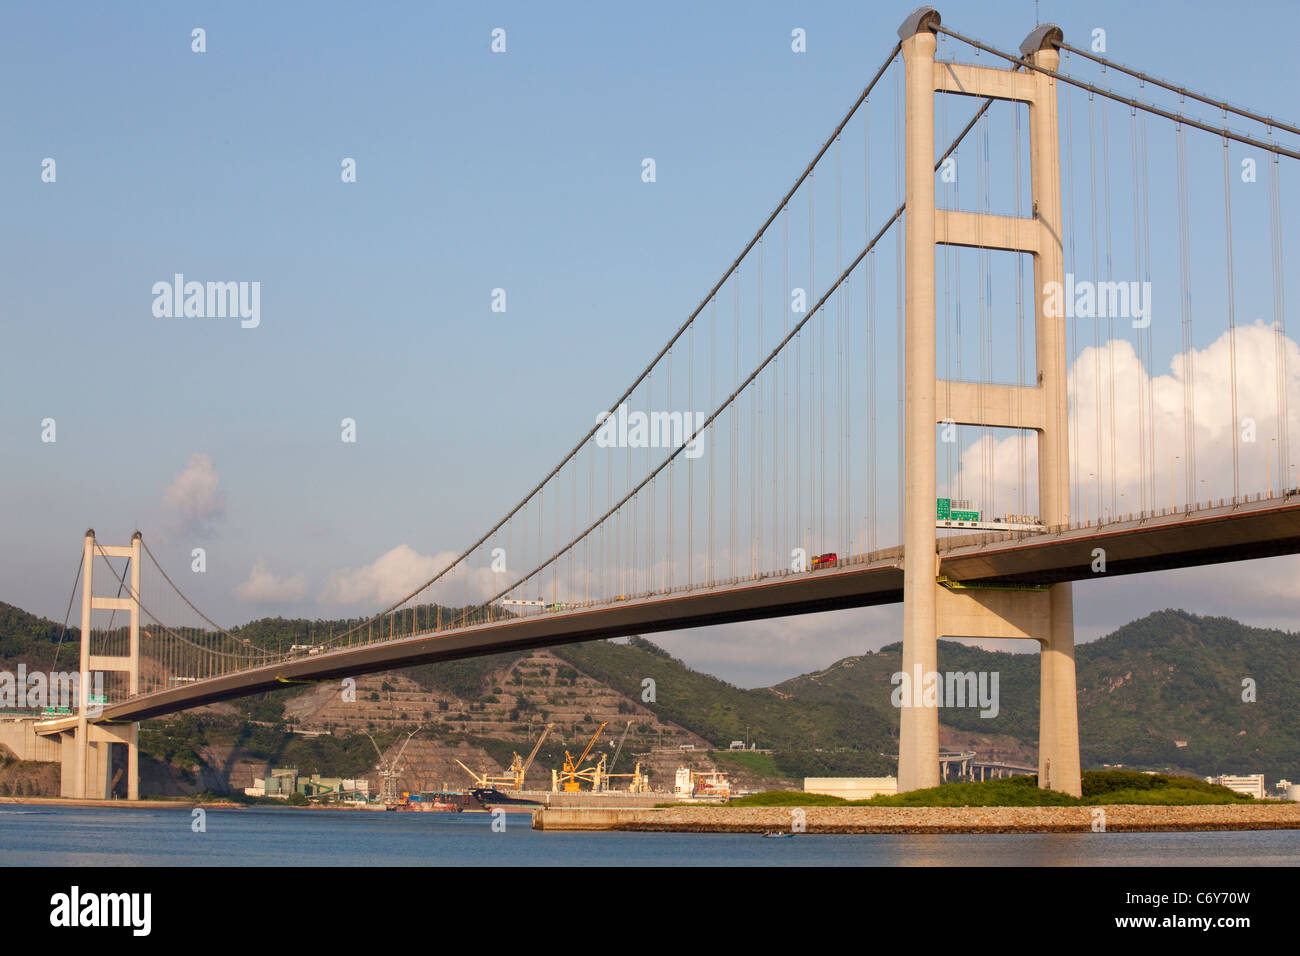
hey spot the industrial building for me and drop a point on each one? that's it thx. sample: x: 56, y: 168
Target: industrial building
x: 851, y: 788
x: 285, y: 781
x: 1250, y: 784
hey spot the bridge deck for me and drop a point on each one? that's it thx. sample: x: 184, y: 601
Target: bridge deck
x: 1210, y: 535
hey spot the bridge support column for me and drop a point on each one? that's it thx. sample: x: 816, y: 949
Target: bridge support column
x: 1058, y: 734
x: 80, y: 742
x: 133, y: 763
x: 1058, y: 710
x: 1046, y: 616
x: 918, y: 736
x: 132, y: 739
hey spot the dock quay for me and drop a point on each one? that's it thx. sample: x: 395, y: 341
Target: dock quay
x: 1116, y: 818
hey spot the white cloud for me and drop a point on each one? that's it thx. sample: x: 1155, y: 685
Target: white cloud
x: 398, y: 572
x: 1163, y: 397
x: 1257, y: 592
x: 264, y: 587
x: 194, y: 498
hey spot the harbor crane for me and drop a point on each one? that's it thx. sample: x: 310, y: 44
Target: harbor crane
x: 637, y: 781
x: 513, y: 778
x: 520, y: 769
x: 573, y: 776
x: 388, y: 772
x: 613, y: 761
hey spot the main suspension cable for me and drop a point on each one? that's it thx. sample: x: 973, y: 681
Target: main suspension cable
x: 1111, y: 95
x: 1180, y: 90
x: 662, y: 352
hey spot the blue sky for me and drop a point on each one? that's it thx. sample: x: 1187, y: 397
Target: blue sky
x: 474, y: 171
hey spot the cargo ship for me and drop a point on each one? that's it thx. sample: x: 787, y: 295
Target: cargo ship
x: 710, y: 785
x: 489, y: 797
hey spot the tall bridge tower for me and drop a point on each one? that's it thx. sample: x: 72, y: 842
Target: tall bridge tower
x: 87, y: 747
x: 930, y: 609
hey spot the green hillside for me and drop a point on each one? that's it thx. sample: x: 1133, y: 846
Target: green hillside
x: 810, y: 737
x: 1170, y: 676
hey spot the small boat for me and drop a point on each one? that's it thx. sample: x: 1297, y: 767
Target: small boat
x: 777, y: 833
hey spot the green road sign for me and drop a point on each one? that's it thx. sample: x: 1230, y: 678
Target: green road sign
x: 943, y: 509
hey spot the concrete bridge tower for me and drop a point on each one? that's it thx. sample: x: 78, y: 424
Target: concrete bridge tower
x: 931, y: 609
x: 87, y: 771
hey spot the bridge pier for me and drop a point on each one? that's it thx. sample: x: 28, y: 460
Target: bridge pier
x: 931, y: 607
x: 1058, y: 709
x: 88, y: 768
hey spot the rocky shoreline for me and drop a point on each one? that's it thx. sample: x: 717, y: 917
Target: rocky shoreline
x: 169, y: 803
x: 1117, y: 818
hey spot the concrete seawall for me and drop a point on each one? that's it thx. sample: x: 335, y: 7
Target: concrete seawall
x: 620, y: 800
x: 1118, y: 818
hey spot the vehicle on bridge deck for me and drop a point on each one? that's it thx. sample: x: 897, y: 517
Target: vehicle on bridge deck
x: 826, y: 560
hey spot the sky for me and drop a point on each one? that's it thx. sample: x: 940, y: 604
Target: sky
x: 475, y: 171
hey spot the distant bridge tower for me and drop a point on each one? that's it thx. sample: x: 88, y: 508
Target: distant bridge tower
x: 929, y: 608
x: 87, y: 761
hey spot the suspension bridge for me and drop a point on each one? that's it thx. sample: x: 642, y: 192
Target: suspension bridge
x: 940, y: 388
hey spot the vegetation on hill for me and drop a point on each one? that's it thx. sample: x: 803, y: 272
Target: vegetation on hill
x: 466, y: 679
x: 32, y: 640
x: 180, y: 741
x: 1174, y: 676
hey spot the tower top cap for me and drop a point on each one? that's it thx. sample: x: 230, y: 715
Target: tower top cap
x: 922, y: 18
x: 1046, y: 36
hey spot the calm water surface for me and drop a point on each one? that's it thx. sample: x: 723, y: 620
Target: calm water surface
x: 80, y: 836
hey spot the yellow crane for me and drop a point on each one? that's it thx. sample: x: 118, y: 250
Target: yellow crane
x: 513, y: 778
x: 520, y: 768
x: 572, y: 775
x: 638, y: 782
x: 480, y: 781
